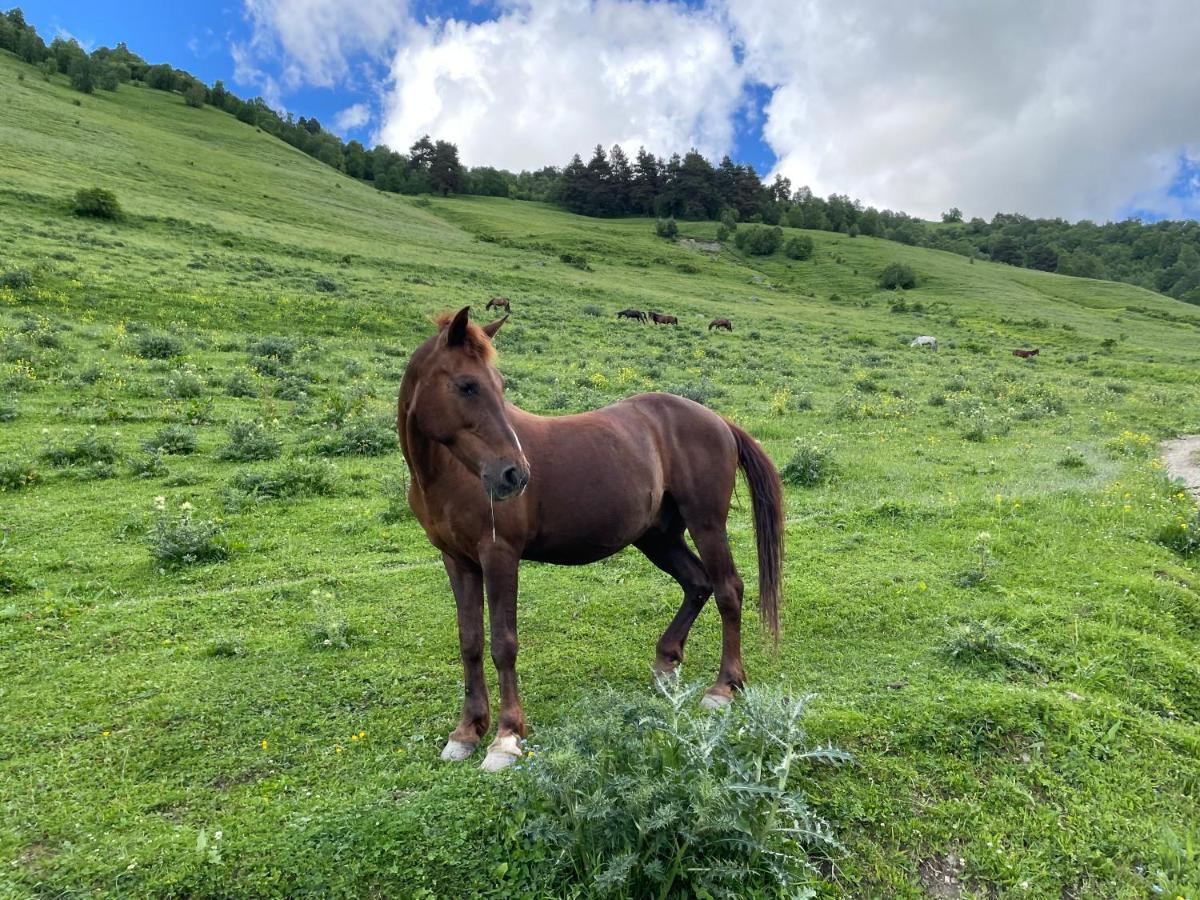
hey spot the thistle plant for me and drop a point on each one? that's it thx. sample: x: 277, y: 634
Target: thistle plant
x: 652, y: 797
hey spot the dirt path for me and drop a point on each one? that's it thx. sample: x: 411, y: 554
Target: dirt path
x: 1182, y: 458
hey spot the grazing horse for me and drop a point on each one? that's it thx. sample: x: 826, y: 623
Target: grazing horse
x: 925, y: 340
x: 660, y: 319
x: 499, y: 303
x: 493, y: 485
x: 1027, y: 354
x: 720, y: 323
x: 632, y: 314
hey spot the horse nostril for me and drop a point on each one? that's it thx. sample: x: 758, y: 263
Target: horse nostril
x: 511, y: 477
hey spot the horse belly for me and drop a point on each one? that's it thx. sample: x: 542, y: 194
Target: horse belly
x: 595, y: 527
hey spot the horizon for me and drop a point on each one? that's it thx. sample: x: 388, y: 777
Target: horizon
x: 680, y: 75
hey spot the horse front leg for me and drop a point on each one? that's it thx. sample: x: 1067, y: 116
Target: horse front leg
x: 467, y: 582
x: 500, y: 577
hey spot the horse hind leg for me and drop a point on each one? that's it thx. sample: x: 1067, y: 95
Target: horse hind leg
x: 670, y: 552
x: 713, y: 544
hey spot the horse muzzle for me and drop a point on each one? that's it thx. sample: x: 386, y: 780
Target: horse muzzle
x: 505, y: 479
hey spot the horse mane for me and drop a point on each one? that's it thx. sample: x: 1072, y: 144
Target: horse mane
x: 476, y: 344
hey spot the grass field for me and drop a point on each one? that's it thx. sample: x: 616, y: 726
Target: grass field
x: 976, y: 583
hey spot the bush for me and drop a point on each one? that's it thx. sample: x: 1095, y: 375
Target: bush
x: 799, y: 247
x: 360, y: 435
x: 808, y: 466
x: 640, y: 797
x: 666, y: 228
x: 983, y: 644
x: 274, y: 346
x: 17, y: 279
x: 89, y: 450
x: 591, y: 309
x: 149, y: 465
x: 184, y: 384
x: 326, y: 285
x: 195, y: 95
x: 703, y: 391
x: 577, y: 260
x: 897, y: 275
x: 249, y: 441
x: 173, y: 440
x: 151, y: 345
x: 16, y: 474
x: 241, y: 384
x: 181, y: 540
x: 758, y: 240
x: 299, y: 477
x: 96, y: 203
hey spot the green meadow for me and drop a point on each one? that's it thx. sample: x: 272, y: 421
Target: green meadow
x: 228, y: 655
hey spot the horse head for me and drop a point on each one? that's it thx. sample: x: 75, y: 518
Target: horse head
x: 453, y: 395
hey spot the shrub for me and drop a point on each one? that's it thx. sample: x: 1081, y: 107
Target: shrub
x: 89, y: 450
x: 799, y: 247
x: 241, y: 384
x: 326, y: 285
x: 577, y: 260
x: 149, y: 465
x: 16, y: 474
x: 591, y: 309
x: 17, y: 279
x: 96, y: 203
x: 184, y: 384
x: 274, y: 347
x: 984, y: 644
x: 703, y: 391
x: 180, y: 539
x: 360, y: 435
x: 195, y: 95
x: 809, y: 465
x: 249, y: 441
x: 897, y: 275
x: 666, y: 228
x: 298, y: 477
x: 173, y: 440
x: 1072, y: 459
x: 642, y: 798
x: 151, y: 345
x: 758, y: 240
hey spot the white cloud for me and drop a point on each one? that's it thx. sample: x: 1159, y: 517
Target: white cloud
x: 317, y: 38
x: 245, y: 71
x: 354, y: 116
x: 548, y: 79
x: 1072, y: 108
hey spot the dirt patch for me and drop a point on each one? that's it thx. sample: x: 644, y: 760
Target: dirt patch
x: 1180, y: 458
x: 942, y: 876
x: 706, y: 246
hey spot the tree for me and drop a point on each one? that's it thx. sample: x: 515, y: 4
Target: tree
x: 445, y: 172
x: 1042, y: 256
x: 799, y: 247
x: 622, y: 180
x: 83, y: 75
x: 897, y: 275
x: 1005, y: 249
x: 420, y: 154
x: 646, y: 184
x: 195, y: 95
x: 953, y: 214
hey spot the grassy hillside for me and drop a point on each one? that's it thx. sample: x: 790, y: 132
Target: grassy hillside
x: 976, y: 582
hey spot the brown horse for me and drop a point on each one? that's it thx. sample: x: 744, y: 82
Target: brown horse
x: 660, y: 319
x: 720, y: 323
x: 493, y: 485
x: 499, y: 303
x: 1027, y: 354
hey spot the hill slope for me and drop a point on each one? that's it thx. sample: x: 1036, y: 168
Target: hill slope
x: 975, y: 584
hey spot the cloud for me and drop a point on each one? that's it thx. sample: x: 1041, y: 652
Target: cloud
x: 1072, y: 108
x: 245, y: 71
x: 315, y: 40
x: 548, y: 79
x: 354, y: 116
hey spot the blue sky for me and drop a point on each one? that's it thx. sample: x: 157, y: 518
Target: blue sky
x: 1074, y: 108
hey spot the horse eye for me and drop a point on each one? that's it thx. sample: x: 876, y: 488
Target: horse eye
x: 468, y: 388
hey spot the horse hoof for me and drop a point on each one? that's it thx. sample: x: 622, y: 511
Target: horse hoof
x: 456, y: 751
x: 503, y: 752
x: 715, y: 701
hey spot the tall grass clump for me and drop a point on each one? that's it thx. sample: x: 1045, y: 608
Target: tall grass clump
x: 649, y: 797
x: 359, y: 435
x: 292, y: 479
x: 180, y: 539
x: 808, y: 465
x: 1182, y: 534
x: 249, y: 441
x: 173, y: 440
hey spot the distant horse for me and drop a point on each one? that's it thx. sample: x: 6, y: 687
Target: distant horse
x: 632, y: 314
x: 499, y: 303
x: 1026, y: 354
x: 720, y: 323
x: 660, y: 319
x: 493, y: 485
x: 925, y: 340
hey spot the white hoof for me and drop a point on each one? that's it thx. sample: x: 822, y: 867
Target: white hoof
x: 503, y: 752
x: 456, y: 751
x: 715, y: 701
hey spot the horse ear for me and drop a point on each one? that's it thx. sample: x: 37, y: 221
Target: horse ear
x: 491, y: 329
x: 456, y: 331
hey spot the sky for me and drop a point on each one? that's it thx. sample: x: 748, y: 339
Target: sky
x: 1075, y: 108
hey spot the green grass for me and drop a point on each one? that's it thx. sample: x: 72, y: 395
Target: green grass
x: 293, y: 699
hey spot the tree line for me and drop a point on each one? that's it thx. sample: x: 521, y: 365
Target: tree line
x: 1162, y: 256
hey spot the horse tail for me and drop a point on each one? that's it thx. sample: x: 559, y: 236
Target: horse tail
x: 766, y: 498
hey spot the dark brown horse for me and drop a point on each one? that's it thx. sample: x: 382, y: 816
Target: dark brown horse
x: 720, y: 323
x: 1027, y: 354
x: 660, y: 319
x: 499, y: 303
x: 493, y: 485
x: 632, y: 314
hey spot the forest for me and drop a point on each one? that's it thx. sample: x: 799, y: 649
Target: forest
x: 1161, y: 256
